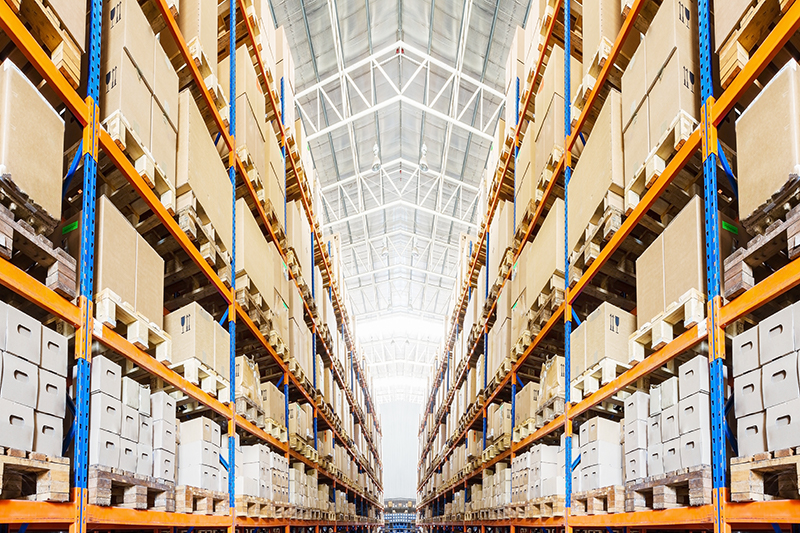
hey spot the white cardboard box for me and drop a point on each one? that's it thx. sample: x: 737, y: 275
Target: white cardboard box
x: 52, y: 394
x: 779, y: 381
x: 54, y: 352
x: 106, y: 376
x: 750, y: 434
x: 163, y: 436
x: 17, y: 425
x: 104, y: 447
x: 20, y: 382
x: 105, y: 412
x: 23, y: 335
x: 695, y: 413
x: 747, y: 396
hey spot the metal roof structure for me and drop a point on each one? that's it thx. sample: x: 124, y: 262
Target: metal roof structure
x: 417, y: 85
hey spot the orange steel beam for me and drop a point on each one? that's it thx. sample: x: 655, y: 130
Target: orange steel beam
x: 104, y: 516
x: 679, y: 518
x: 769, y: 512
x: 776, y: 284
x: 24, y: 512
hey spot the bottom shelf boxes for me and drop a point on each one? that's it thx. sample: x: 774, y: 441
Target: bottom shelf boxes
x: 110, y: 486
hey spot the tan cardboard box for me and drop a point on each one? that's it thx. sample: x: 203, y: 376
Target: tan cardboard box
x: 200, y: 169
x: 116, y: 252
x: 650, y: 283
x: 149, y: 282
x: 198, y: 20
x: 548, y: 248
x: 727, y: 14
x: 768, y: 140
x: 674, y: 28
x: 246, y: 83
x: 553, y: 80
x: 73, y: 16
x: 550, y: 139
x: 122, y: 88
x: 164, y: 139
x: 684, y: 252
x: 636, y: 140
x: 252, y: 254
x: 125, y: 27
x: 607, y: 331
x: 165, y: 84
x: 577, y: 351
x: 600, y: 169
x: 634, y: 80
x: 192, y: 330
x: 222, y: 350
x: 31, y: 140
x: 602, y: 20
x: 676, y: 90
x: 284, y: 62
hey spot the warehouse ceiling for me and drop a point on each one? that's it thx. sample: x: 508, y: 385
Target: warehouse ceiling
x: 411, y: 77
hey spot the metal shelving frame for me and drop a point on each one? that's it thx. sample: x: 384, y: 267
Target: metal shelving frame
x: 77, y: 515
x: 722, y: 515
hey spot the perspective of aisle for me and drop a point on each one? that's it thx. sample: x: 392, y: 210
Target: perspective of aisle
x: 253, y: 251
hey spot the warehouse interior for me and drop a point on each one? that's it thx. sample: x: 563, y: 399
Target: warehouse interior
x: 432, y: 266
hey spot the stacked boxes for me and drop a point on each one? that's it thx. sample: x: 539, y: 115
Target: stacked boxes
x: 637, y: 411
x: 694, y: 416
x: 162, y: 411
x: 766, y: 389
x: 33, y: 388
x: 197, y: 337
x: 198, y: 455
x: 265, y: 474
x: 544, y: 475
x: 601, y: 454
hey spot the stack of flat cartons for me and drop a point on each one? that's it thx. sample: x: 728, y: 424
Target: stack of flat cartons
x: 105, y: 418
x: 139, y: 94
x: 637, y: 411
x: 515, y: 76
x: 664, y: 429
x: 766, y: 390
x: 162, y: 411
x: 199, y: 345
x: 601, y: 454
x: 284, y: 79
x: 31, y: 142
x: 33, y: 388
x: 198, y: 455
x: 655, y: 447
x: 545, y: 477
x: 660, y: 95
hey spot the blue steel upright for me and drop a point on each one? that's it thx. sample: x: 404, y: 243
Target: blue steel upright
x: 314, y: 338
x: 716, y: 339
x: 567, y: 306
x: 83, y: 345
x: 232, y: 312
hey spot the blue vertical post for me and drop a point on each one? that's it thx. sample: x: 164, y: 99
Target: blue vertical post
x: 83, y: 344
x: 232, y: 312
x: 314, y: 338
x: 486, y: 341
x: 716, y: 339
x: 568, y: 306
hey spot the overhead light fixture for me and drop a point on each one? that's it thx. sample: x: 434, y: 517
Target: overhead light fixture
x: 414, y: 249
x: 376, y: 161
x: 423, y: 160
x: 385, y: 249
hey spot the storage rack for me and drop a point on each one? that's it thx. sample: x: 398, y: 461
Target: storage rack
x: 722, y: 515
x: 77, y: 515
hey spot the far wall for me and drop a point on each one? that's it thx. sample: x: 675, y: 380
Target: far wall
x: 400, y: 425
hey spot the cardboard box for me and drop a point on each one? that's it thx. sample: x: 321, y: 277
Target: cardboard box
x: 52, y: 395
x: 162, y: 407
x: 634, y: 81
x: 130, y: 393
x: 676, y: 90
x: 164, y: 435
x: 637, y: 142
x: 117, y: 243
x: 163, y: 465
x: 17, y: 425
x: 776, y: 335
x: 23, y: 335
x: 105, y: 413
x: 144, y: 459
x: 144, y: 399
x: 670, y: 428
x: 655, y: 459
x: 636, y: 464
x: 548, y: 246
x: 599, y: 429
x: 123, y: 88
x: 694, y: 413
x: 247, y: 84
x: 128, y: 455
x: 20, y: 382
x: 655, y: 399
x: 200, y: 169
x: 200, y: 429
x: 768, y: 140
x: 599, y: 170
x: 164, y: 139
x: 198, y: 452
x: 48, y: 437
x: 751, y: 435
x: 145, y: 429
x: 250, y: 259
x: 54, y: 351
x: 693, y: 377
x: 779, y: 381
x: 601, y: 452
x: 222, y: 351
x: 669, y: 392
x: 637, y: 407
x: 747, y: 396
x: 553, y: 81
x: 106, y: 376
x: 104, y: 447
x: 636, y: 436
x: 192, y: 331
x: 745, y: 352
x: 31, y: 140
x: 129, y: 429
x: 607, y: 331
x: 672, y: 455
x: 673, y: 32
x: 602, y: 20
x: 695, y: 449
x: 601, y: 475
x: 577, y: 351
x: 149, y: 282
x: 198, y: 20
x: 654, y: 429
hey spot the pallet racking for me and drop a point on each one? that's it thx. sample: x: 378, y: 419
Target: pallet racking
x: 76, y: 515
x: 722, y: 515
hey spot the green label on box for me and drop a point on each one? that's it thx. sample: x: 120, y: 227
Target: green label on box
x: 727, y: 226
x: 69, y: 228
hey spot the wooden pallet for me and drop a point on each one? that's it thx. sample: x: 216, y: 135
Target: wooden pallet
x: 690, y: 309
x: 547, y: 303
x: 128, y: 140
x: 753, y: 27
x: 685, y: 487
x: 672, y: 140
x: 208, y: 71
x: 21, y: 243
x: 606, y: 500
x: 277, y: 431
x: 524, y: 429
x: 191, y: 217
x: 113, y: 487
x: 197, y: 372
x: 48, y: 30
x: 766, y: 476
x: 147, y: 336
x: 603, y: 226
x: 253, y: 507
x: 603, y: 372
x: 249, y: 410
x: 775, y: 241
x: 251, y: 300
x: 550, y: 410
x: 194, y: 500
x: 546, y: 507
x: 33, y: 476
